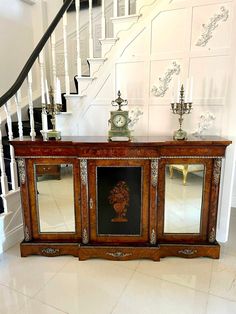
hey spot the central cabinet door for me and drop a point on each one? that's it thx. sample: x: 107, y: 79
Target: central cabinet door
x: 118, y: 200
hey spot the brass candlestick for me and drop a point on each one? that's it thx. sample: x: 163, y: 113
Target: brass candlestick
x: 52, y: 109
x: 181, y: 108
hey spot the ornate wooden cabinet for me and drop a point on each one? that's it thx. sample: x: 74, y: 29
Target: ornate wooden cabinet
x: 120, y: 200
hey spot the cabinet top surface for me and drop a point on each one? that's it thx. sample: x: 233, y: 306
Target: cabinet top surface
x: 136, y: 141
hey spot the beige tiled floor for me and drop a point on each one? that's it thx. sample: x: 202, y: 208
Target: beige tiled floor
x: 41, y: 285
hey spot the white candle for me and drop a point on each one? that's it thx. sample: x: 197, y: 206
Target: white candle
x: 186, y: 94
x: 191, y: 90
x: 172, y: 93
x: 178, y: 91
x: 47, y: 94
x: 44, y: 121
x: 58, y: 92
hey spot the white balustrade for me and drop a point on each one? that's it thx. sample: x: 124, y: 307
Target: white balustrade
x: 115, y: 8
x: 127, y: 7
x: 90, y: 29
x: 54, y: 67
x: 19, y: 115
x: 43, y: 92
x: 67, y: 78
x: 31, y: 110
x: 13, y: 167
x: 103, y: 20
x: 79, y: 62
x: 4, y: 181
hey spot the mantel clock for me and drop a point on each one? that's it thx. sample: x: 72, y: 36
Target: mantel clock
x: 119, y: 120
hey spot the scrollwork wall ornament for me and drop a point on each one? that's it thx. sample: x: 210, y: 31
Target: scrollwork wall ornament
x: 153, y: 238
x: 217, y: 171
x: 211, y: 26
x: 164, y: 81
x: 21, y: 168
x: 154, y: 169
x: 85, y: 237
x: 83, y: 171
x: 212, y: 235
x: 205, y: 123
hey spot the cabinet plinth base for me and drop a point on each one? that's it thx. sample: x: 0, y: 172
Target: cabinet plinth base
x: 49, y: 249
x: 119, y: 253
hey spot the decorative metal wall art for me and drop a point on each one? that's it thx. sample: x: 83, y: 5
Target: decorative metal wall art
x: 211, y: 26
x: 205, y: 122
x: 21, y: 168
x: 164, y: 81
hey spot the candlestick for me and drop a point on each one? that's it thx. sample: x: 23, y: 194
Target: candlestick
x: 58, y: 92
x: 191, y: 90
x: 181, y: 107
x: 47, y: 93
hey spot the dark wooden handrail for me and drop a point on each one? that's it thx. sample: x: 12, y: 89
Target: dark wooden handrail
x: 23, y: 74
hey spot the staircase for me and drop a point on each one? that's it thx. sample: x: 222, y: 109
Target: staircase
x: 80, y: 85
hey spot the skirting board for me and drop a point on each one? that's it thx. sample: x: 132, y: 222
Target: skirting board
x: 11, y: 238
x: 234, y: 202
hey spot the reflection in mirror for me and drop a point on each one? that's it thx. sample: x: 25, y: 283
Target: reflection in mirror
x: 184, y: 185
x: 55, y: 196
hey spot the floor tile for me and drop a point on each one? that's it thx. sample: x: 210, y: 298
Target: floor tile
x: 223, y: 281
x: 89, y: 287
x: 10, y: 300
x: 28, y: 275
x: 220, y: 306
x: 35, y: 307
x: 192, y: 273
x: 146, y: 295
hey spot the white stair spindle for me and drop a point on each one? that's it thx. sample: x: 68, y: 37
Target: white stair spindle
x: 90, y: 29
x: 31, y: 110
x: 13, y: 167
x: 4, y: 181
x: 43, y: 92
x: 115, y: 8
x: 103, y: 20
x: 67, y: 78
x: 127, y: 7
x: 19, y: 115
x: 79, y: 62
x: 54, y: 68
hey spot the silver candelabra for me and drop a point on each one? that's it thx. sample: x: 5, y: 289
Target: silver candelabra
x: 181, y: 108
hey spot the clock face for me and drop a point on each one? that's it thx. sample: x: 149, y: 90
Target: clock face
x: 119, y: 120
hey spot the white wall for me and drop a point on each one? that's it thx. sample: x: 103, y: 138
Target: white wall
x: 16, y: 37
x: 234, y: 192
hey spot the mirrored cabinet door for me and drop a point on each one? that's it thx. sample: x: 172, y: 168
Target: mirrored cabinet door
x: 55, y: 197
x: 184, y: 185
x: 184, y: 205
